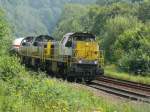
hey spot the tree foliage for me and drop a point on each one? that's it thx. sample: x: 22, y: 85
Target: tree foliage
x: 114, y: 28
x: 71, y: 20
x: 35, y: 17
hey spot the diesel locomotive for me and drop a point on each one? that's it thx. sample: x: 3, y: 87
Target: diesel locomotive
x: 76, y: 56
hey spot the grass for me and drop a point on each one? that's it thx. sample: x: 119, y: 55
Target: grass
x: 23, y: 91
x: 40, y: 94
x: 112, y: 71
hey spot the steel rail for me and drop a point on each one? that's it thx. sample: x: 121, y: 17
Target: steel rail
x: 129, y: 84
x: 126, y: 89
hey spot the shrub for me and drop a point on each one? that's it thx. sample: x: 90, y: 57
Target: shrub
x: 135, y: 61
x: 10, y: 68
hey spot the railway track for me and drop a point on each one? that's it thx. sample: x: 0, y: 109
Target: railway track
x: 127, y: 89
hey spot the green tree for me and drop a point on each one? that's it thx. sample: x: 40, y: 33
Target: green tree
x: 113, y: 29
x: 135, y: 45
x: 104, y: 13
x: 34, y: 17
x: 71, y: 20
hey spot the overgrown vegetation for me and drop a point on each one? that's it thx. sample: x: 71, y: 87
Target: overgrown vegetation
x: 122, y: 29
x: 4, y: 34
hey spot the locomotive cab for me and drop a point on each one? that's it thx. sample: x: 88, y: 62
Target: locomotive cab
x: 84, y: 56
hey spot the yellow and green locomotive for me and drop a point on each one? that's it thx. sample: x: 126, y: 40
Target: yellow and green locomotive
x: 76, y: 56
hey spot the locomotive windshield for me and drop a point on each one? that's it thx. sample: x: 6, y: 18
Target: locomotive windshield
x: 70, y: 37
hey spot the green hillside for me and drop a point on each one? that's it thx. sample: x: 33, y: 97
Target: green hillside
x: 30, y: 17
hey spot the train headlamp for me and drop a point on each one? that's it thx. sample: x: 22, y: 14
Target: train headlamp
x: 95, y: 62
x: 80, y: 61
x: 87, y: 44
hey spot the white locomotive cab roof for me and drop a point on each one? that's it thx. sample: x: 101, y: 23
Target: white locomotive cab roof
x: 68, y: 34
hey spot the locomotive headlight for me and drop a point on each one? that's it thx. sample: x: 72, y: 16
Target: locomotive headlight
x: 87, y: 44
x: 95, y: 62
x: 80, y: 61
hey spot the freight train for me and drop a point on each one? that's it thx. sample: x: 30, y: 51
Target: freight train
x: 76, y: 56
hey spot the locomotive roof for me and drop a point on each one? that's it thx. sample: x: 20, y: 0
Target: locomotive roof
x: 80, y: 34
x: 47, y: 36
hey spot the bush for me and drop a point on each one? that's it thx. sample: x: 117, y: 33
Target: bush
x: 10, y: 68
x: 135, y: 61
x: 133, y: 47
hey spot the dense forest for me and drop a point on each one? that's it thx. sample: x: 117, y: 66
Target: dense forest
x: 33, y: 17
x: 122, y: 29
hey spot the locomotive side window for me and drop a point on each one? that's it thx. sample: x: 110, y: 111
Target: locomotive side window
x: 27, y: 41
x: 69, y: 43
